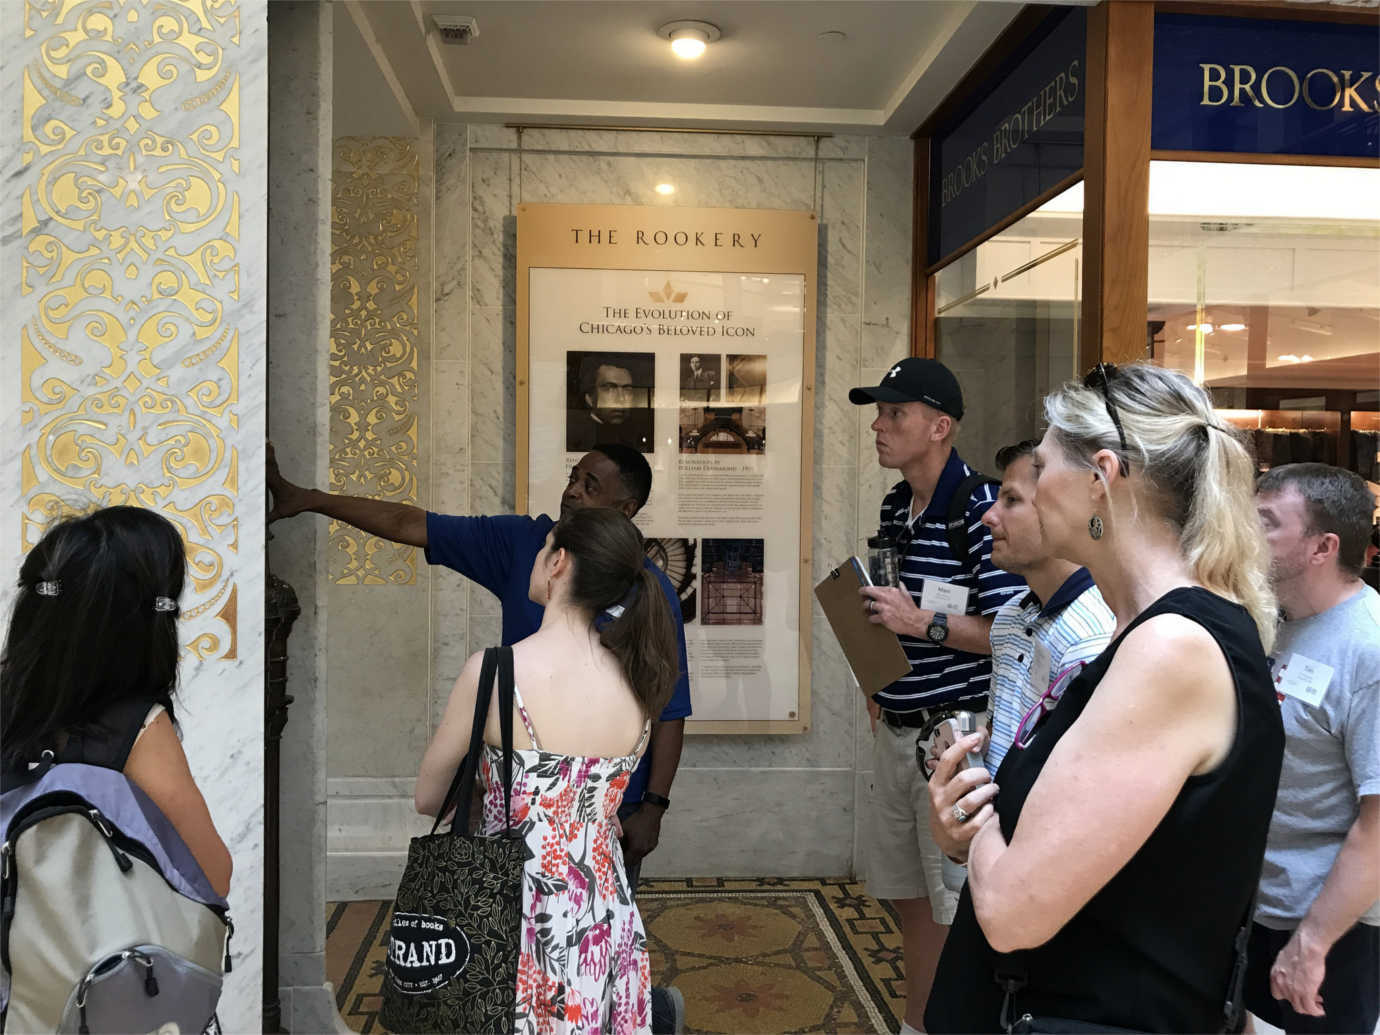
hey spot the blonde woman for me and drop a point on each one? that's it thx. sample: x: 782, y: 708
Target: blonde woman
x: 1110, y: 873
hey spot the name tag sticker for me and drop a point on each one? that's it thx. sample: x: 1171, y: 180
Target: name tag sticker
x: 1304, y: 678
x: 944, y: 597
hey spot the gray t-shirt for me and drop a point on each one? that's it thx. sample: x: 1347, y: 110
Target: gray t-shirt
x: 1331, y: 751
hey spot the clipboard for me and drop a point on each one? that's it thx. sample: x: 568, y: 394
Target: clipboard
x: 873, y: 651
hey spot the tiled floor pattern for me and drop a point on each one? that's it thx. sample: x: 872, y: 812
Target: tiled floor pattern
x: 751, y: 956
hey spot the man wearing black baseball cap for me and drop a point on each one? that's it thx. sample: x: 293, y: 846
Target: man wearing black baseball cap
x: 942, y: 613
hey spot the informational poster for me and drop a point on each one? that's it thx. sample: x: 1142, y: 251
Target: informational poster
x: 705, y: 372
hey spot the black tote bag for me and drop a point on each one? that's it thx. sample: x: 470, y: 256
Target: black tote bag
x: 457, y: 920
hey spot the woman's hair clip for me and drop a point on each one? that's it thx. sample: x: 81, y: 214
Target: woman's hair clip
x: 164, y: 604
x: 48, y: 588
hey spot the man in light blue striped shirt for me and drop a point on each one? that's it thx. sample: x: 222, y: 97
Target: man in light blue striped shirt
x: 1043, y: 638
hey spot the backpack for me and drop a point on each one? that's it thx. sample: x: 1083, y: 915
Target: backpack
x: 958, y: 515
x: 107, y: 922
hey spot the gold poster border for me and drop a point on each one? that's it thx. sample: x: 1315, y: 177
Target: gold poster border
x: 789, y: 245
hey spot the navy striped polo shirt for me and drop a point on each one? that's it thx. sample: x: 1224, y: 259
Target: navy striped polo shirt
x: 938, y: 673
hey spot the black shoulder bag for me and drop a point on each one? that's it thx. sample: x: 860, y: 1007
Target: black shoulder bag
x: 457, y: 921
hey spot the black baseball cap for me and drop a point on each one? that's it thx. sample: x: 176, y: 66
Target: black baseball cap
x: 916, y: 380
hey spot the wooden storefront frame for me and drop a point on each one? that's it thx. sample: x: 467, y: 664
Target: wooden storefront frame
x: 1117, y: 157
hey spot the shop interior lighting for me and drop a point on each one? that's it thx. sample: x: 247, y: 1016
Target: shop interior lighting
x: 1289, y: 357
x: 1231, y: 327
x: 665, y: 188
x: 689, y: 38
x: 1206, y: 328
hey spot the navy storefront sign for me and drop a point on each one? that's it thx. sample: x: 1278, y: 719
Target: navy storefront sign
x: 1020, y: 140
x: 1266, y: 86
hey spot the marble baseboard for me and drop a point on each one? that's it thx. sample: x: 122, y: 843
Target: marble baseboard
x: 757, y: 823
x: 363, y: 876
x: 311, y: 1010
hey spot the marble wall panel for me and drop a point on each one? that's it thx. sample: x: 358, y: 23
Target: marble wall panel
x: 450, y: 343
x: 886, y: 299
x: 134, y: 354
x: 841, y: 243
x: 380, y: 663
x: 700, y: 182
x: 493, y: 394
x: 493, y: 230
x: 628, y: 142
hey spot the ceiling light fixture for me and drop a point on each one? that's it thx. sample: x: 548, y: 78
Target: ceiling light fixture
x: 1231, y: 326
x: 689, y: 38
x: 665, y: 188
x: 1205, y: 327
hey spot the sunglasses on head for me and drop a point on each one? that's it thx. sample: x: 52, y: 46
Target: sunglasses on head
x: 1098, y: 379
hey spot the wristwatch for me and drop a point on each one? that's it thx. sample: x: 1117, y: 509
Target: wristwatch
x: 938, y: 630
x: 659, y: 800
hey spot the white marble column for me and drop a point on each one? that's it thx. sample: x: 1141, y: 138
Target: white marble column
x: 132, y: 356
x: 299, y: 245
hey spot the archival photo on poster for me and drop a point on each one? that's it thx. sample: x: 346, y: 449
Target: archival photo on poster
x: 703, y: 373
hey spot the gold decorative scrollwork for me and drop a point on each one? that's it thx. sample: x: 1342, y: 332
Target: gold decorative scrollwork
x: 130, y: 278
x: 374, y: 358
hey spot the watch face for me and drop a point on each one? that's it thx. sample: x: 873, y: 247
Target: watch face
x: 938, y: 632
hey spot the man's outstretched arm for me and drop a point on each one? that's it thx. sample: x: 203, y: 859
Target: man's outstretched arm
x: 398, y: 522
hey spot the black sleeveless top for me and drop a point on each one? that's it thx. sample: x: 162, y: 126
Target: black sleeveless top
x: 106, y: 742
x: 1153, y: 949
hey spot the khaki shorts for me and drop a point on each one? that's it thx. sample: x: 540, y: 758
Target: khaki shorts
x: 903, y: 860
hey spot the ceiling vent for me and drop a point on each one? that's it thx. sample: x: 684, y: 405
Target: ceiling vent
x: 457, y: 31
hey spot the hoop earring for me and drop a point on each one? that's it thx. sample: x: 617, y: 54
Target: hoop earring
x: 1095, y: 528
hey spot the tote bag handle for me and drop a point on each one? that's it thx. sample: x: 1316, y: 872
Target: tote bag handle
x: 499, y: 661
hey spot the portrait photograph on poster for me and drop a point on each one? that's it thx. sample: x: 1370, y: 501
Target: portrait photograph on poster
x: 690, y: 356
x: 747, y: 380
x: 609, y: 400
x: 701, y: 377
x: 732, y: 577
x: 732, y: 430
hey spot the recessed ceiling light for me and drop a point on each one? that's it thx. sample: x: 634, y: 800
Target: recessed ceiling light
x: 1205, y: 327
x: 689, y: 38
x: 1231, y: 327
x: 665, y: 188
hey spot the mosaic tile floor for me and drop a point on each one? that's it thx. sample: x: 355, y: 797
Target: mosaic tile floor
x: 751, y: 956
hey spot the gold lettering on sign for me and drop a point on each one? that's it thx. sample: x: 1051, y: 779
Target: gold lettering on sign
x: 1346, y: 88
x: 1214, y: 78
x: 130, y: 217
x: 374, y: 357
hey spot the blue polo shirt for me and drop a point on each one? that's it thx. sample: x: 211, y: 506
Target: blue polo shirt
x: 498, y: 553
x: 938, y: 673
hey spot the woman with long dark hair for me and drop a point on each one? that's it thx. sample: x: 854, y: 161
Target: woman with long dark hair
x: 587, y: 690
x: 90, y: 665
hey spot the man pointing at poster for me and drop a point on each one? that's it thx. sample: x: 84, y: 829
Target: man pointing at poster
x: 497, y: 552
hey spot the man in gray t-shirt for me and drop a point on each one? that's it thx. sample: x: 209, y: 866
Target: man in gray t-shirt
x: 1315, y: 946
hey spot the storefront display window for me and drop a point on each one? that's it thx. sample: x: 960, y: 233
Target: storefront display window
x: 1265, y: 287
x: 1006, y: 323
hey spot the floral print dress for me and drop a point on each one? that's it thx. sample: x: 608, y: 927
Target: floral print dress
x: 583, y: 964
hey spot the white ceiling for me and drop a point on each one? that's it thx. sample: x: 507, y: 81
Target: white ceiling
x: 602, y: 63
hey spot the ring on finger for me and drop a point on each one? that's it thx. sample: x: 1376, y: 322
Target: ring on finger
x: 959, y: 813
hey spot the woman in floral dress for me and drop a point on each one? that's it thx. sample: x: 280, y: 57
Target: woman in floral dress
x: 585, y: 695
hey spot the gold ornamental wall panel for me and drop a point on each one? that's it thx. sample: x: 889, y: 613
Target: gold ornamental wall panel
x: 131, y: 278
x: 374, y: 347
